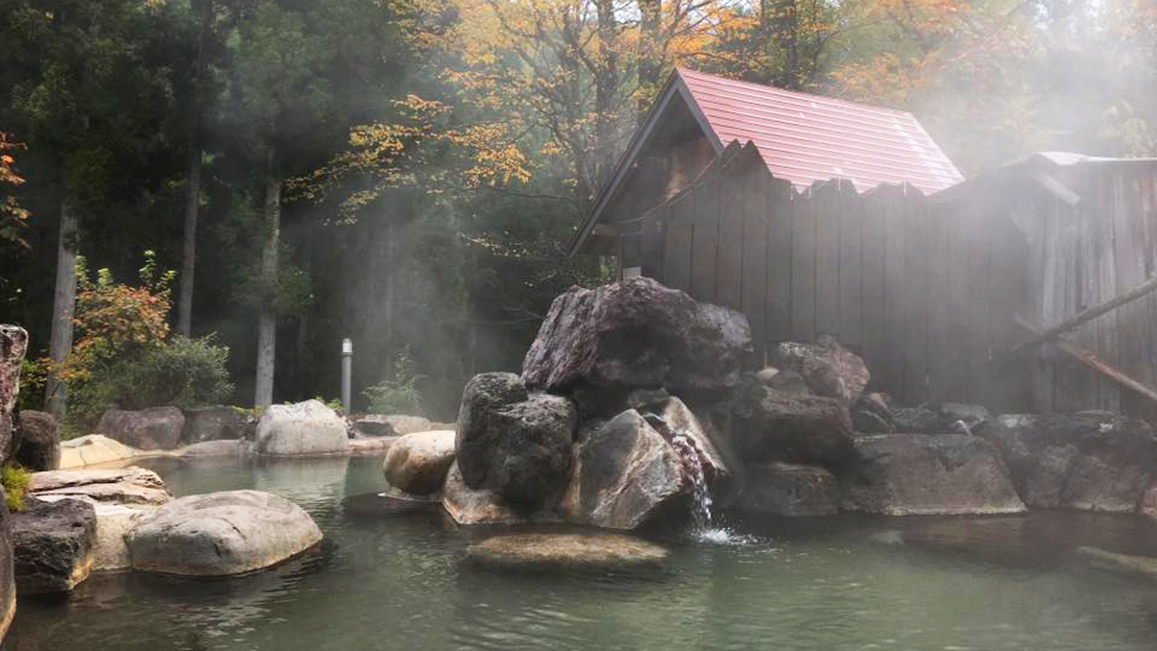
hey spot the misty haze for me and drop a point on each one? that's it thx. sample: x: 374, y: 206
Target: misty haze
x: 578, y: 324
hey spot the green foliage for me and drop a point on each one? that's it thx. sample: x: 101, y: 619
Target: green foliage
x: 333, y: 404
x: 180, y: 372
x: 398, y: 393
x: 124, y: 357
x: 16, y: 481
x: 33, y: 375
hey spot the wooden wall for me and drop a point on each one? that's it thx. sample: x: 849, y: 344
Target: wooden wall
x: 1083, y: 253
x: 925, y: 292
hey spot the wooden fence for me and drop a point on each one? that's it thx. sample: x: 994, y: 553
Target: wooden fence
x: 924, y: 291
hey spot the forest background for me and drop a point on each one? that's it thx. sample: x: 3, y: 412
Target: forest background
x: 407, y: 173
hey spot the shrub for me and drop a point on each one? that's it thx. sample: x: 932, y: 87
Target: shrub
x: 397, y: 394
x: 180, y: 372
x: 15, y: 480
x: 123, y: 357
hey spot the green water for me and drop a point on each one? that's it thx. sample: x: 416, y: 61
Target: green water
x: 397, y: 581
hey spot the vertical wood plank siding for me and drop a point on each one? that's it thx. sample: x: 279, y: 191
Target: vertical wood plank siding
x: 926, y: 291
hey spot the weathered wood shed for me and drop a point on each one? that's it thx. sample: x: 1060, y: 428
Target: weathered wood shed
x: 943, y: 289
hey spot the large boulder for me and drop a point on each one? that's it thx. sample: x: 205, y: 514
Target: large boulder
x: 39, y: 441
x: 13, y: 344
x: 213, y: 423
x: 156, y: 428
x: 417, y: 463
x: 304, y: 428
x: 637, y: 333
x: 791, y: 490
x: 375, y: 425
x: 721, y: 463
x: 549, y: 552
x: 131, y: 485
x: 519, y: 449
x: 52, y: 545
x: 92, y: 450
x: 481, y: 506
x: 218, y: 534
x: 828, y: 368
x: 771, y: 425
x: 625, y: 475
x: 916, y: 474
x: 1092, y: 460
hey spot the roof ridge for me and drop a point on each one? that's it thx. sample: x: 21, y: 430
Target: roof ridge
x: 798, y: 93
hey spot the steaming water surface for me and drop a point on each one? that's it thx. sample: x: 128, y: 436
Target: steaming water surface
x: 397, y: 581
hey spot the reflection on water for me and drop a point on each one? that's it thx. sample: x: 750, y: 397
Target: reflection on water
x: 391, y: 576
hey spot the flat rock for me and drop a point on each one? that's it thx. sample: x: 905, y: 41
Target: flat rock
x: 305, y: 428
x: 789, y: 490
x: 625, y: 474
x: 94, y: 449
x: 637, y: 333
x: 39, y: 447
x: 417, y: 463
x: 217, y: 534
x: 606, y: 551
x: 131, y: 485
x: 1092, y: 461
x: 373, y: 425
x: 156, y: 428
x: 371, y: 447
x: 220, y: 448
x: 916, y: 474
x: 52, y: 545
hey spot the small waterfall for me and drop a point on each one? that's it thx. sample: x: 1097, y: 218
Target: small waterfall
x: 693, y: 460
x: 700, y: 492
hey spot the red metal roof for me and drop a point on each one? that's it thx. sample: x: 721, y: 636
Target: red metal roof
x: 805, y: 138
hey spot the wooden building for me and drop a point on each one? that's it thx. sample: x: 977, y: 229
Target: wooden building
x: 939, y: 288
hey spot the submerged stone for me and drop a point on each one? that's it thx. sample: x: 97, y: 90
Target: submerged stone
x: 566, y: 551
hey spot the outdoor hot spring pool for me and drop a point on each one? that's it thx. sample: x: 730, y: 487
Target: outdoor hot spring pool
x: 398, y: 581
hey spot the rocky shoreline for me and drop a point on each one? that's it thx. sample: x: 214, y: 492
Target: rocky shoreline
x: 636, y: 409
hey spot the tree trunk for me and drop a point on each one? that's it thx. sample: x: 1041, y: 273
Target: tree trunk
x: 267, y: 318
x: 189, y: 261
x: 649, y: 62
x: 606, y: 85
x: 193, y: 176
x: 64, y: 305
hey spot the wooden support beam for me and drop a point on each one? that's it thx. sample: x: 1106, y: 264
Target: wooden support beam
x: 1095, y: 363
x: 1089, y: 314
